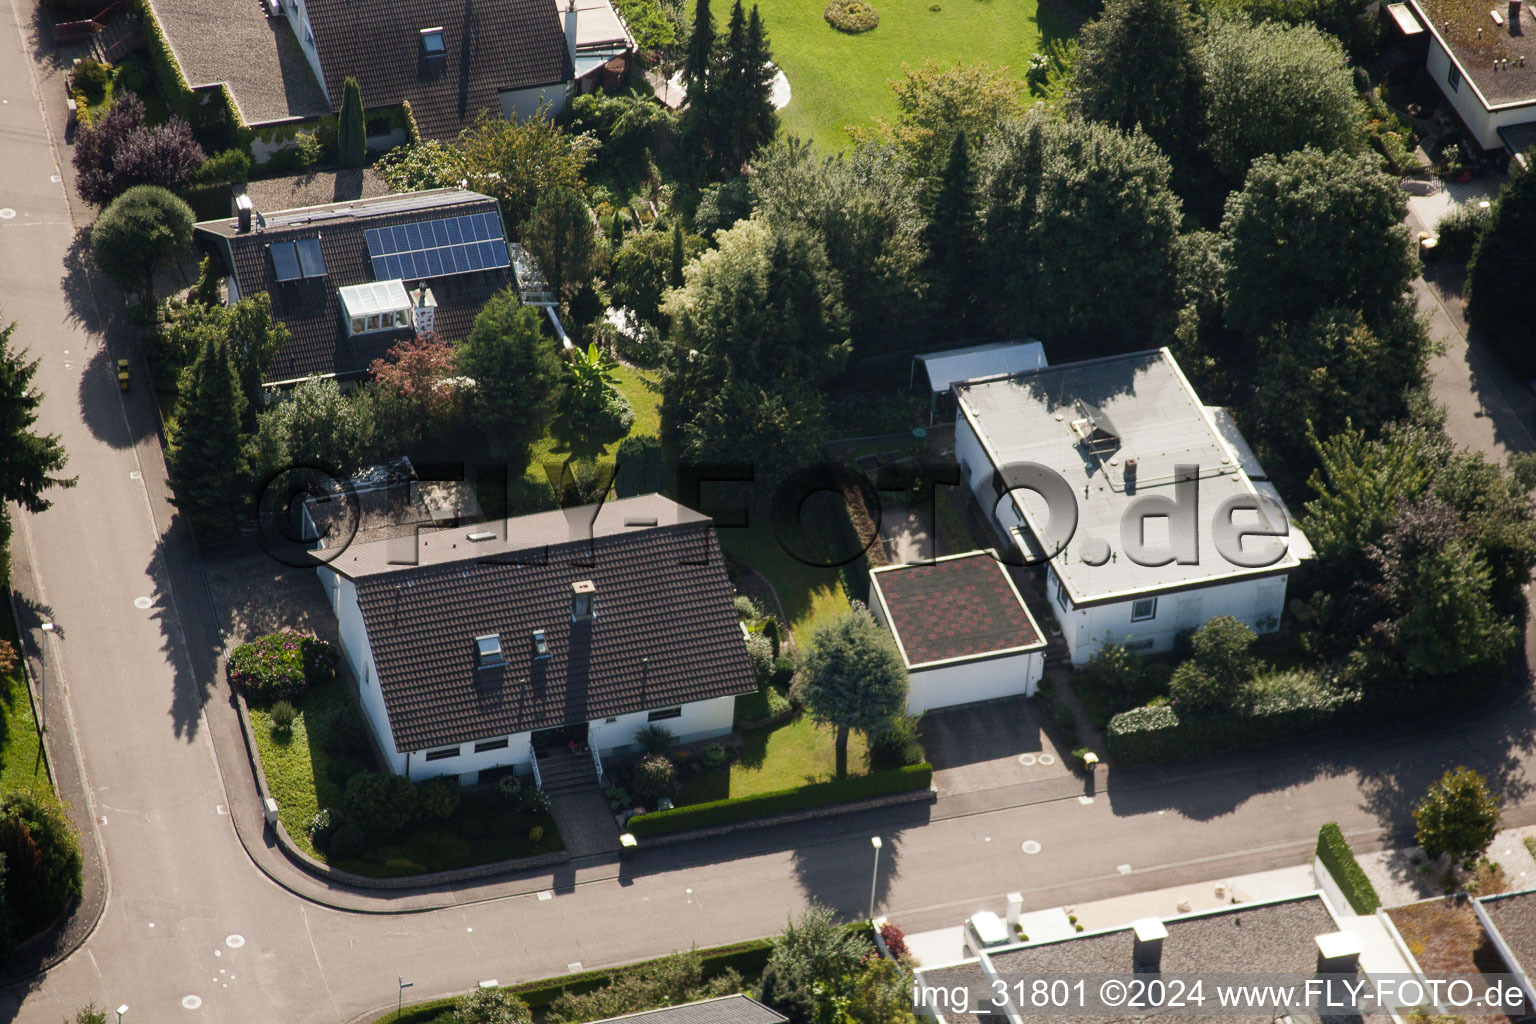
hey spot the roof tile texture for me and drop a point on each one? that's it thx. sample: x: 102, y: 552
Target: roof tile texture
x: 955, y: 608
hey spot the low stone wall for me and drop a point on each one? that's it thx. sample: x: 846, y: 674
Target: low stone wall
x: 851, y: 807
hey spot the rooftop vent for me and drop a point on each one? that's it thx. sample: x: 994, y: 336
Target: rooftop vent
x: 583, y: 600
x: 540, y: 644
x: 488, y: 651
x: 1150, y: 933
x: 1338, y: 953
x: 482, y: 535
x: 243, y: 209
x: 1093, y: 428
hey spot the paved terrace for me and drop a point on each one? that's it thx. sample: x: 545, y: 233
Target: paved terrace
x: 234, y: 42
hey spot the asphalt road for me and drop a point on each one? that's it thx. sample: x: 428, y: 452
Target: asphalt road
x: 192, y: 930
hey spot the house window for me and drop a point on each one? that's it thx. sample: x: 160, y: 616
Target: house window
x: 486, y: 745
x: 442, y: 755
x: 1453, y: 77
x: 402, y: 318
x: 359, y: 325
x: 1139, y: 645
x: 1144, y: 609
x: 373, y: 322
x: 1061, y: 595
x: 488, y: 651
x: 540, y: 644
x: 664, y: 714
x: 432, y: 42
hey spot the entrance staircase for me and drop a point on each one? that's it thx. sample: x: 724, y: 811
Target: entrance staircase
x: 578, y: 804
x: 565, y: 772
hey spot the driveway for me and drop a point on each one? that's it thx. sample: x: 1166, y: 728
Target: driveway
x: 987, y: 746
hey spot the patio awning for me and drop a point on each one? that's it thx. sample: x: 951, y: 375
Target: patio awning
x: 989, y: 360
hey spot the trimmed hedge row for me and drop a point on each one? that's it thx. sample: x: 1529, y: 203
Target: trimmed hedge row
x: 801, y: 798
x: 1159, y: 733
x: 179, y: 95
x: 1340, y: 861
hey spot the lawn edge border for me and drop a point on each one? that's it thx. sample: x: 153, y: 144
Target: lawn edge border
x: 928, y: 794
x: 327, y: 873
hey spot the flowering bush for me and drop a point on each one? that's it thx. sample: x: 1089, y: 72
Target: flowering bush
x: 895, y: 939
x: 280, y: 665
x: 656, y: 777
x: 852, y: 16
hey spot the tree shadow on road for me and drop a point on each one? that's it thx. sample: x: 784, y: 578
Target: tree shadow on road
x: 838, y: 874
x: 96, y: 305
x: 194, y: 664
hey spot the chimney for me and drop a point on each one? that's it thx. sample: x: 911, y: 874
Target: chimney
x: 243, y: 210
x: 583, y: 601
x: 423, y: 309
x: 570, y: 29
x: 1150, y: 933
x: 1015, y: 907
x: 1514, y: 15
x: 1338, y: 953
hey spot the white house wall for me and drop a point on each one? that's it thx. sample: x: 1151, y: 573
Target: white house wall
x: 521, y: 104
x: 967, y: 681
x: 1259, y: 602
x: 700, y: 720
x: 355, y: 648
x: 1484, y: 124
x: 467, y: 764
x: 298, y: 20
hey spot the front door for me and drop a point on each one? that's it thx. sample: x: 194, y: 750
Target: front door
x: 560, y: 739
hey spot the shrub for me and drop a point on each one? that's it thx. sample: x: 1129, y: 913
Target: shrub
x: 490, y: 1006
x: 42, y: 859
x: 768, y: 702
x: 817, y: 794
x: 119, y: 151
x: 747, y: 609
x: 852, y: 16
x: 283, y: 716
x: 534, y: 801
x: 536, y: 834
x: 438, y: 798
x: 347, y: 842
x: 510, y: 787
x: 1157, y: 732
x: 655, y: 739
x: 771, y: 631
x: 760, y: 657
x: 1458, y: 232
x: 381, y: 801
x: 323, y: 826
x: 1457, y: 818
x: 131, y: 76
x: 1340, y: 861
x: 895, y: 939
x: 229, y: 167
x: 619, y: 798
x: 280, y: 665
x: 655, y: 777
x: 674, y: 979
x: 899, y: 745
x: 91, y: 77
x: 714, y: 755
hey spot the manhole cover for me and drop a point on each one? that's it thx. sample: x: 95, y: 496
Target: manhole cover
x: 191, y: 1002
x: 143, y: 602
x: 235, y: 941
x: 1027, y: 760
x: 1030, y: 847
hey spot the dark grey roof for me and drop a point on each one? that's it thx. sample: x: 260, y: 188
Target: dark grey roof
x: 665, y: 633
x: 1475, y: 41
x: 736, y: 1009
x: 963, y: 606
x: 969, y: 976
x: 1514, y: 915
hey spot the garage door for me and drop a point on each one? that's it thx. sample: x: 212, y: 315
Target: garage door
x: 969, y: 681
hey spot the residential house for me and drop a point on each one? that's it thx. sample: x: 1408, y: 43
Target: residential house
x: 350, y: 280
x: 1509, y: 920
x: 1483, y: 58
x: 737, y: 1009
x: 962, y: 627
x: 1158, y: 493
x: 479, y: 647
x: 945, y: 369
x: 453, y: 59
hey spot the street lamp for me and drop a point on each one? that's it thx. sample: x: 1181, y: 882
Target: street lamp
x: 48, y: 629
x: 400, y: 999
x: 875, y: 878
x: 120, y: 1011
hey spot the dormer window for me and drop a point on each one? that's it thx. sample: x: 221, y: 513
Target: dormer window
x: 583, y: 601
x: 540, y: 644
x: 488, y: 651
x: 433, y: 44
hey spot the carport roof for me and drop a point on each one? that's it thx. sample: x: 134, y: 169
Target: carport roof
x: 954, y: 609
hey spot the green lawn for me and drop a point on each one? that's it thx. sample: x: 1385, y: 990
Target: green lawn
x: 810, y: 595
x: 21, y: 761
x: 566, y: 439
x: 303, y: 774
x: 777, y: 758
x: 836, y: 80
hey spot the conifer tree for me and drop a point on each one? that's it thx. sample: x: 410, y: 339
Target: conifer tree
x: 675, y: 276
x: 952, y: 234
x: 206, y: 463
x: 699, y: 61
x: 352, y: 131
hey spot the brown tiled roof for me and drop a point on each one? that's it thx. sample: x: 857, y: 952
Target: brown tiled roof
x: 493, y: 45
x: 666, y: 630
x: 310, y: 307
x: 963, y: 607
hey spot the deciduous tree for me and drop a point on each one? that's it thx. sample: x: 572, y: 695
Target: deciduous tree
x: 140, y: 232
x: 1500, y: 298
x: 933, y: 102
x: 1137, y: 65
x: 120, y: 151
x: 853, y: 678
x: 1457, y: 818
x: 515, y: 373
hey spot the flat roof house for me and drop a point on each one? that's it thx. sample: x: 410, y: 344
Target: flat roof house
x: 479, y: 647
x: 962, y: 627
x: 1509, y: 919
x: 349, y: 280
x: 1171, y: 527
x: 1483, y: 58
x: 737, y: 1009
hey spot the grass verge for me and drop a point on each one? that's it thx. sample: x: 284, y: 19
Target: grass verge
x: 21, y: 752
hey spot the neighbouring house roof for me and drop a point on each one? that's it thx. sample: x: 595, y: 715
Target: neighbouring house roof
x: 737, y: 1009
x: 315, y: 188
x: 234, y: 42
x: 665, y: 632
x: 958, y: 364
x: 969, y: 977
x: 601, y: 34
x: 1278, y: 938
x: 310, y: 307
x: 1514, y: 918
x: 492, y: 46
x: 1468, y: 32
x: 954, y: 608
x: 1085, y: 421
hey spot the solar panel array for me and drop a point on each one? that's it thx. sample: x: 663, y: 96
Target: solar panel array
x: 298, y: 259
x: 436, y: 248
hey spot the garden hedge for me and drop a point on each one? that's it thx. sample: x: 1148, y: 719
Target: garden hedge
x: 1159, y: 732
x: 1340, y: 861
x: 801, y: 798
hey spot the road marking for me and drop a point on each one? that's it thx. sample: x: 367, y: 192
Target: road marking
x: 573, y: 968
x: 7, y: 213
x: 220, y: 809
x: 191, y: 1002
x: 101, y: 820
x: 1027, y: 760
x: 489, y: 983
x: 218, y: 952
x: 1124, y: 869
x: 469, y: 929
x: 135, y: 475
x: 546, y: 895
x: 1047, y: 759
x: 235, y: 941
x: 143, y: 602
x: 1085, y: 800
x: 1030, y: 847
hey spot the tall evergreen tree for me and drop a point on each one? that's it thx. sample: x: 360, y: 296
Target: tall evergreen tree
x: 754, y: 120
x: 953, y: 237
x: 675, y: 274
x: 699, y: 61
x: 352, y: 131
x: 1500, y: 298
x: 29, y: 462
x: 205, y: 458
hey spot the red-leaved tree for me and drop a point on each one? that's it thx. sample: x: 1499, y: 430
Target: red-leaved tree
x: 419, y: 373
x: 120, y: 151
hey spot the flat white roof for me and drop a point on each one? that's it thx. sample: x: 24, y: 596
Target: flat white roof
x: 998, y: 357
x: 1146, y: 411
x: 374, y: 297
